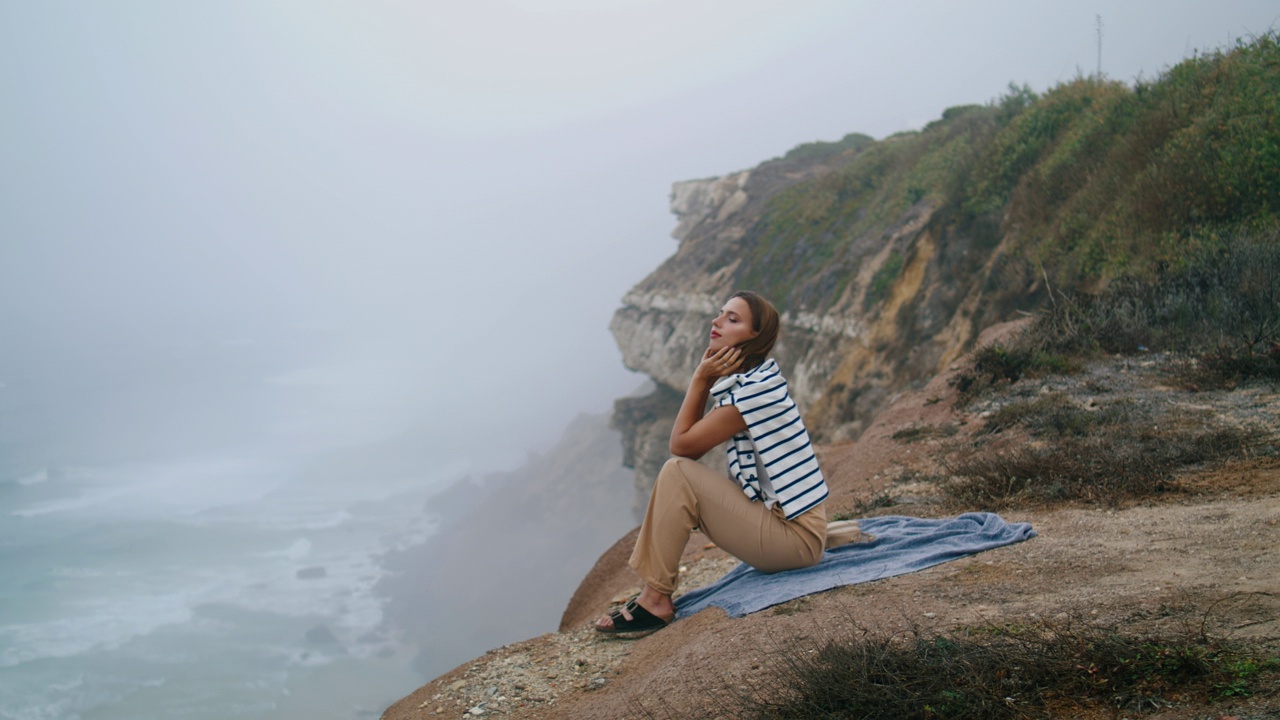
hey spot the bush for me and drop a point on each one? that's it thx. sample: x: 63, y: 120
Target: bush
x: 1122, y: 463
x: 996, y: 365
x: 1054, y: 415
x: 1093, y: 180
x: 1221, y: 305
x: 1002, y: 671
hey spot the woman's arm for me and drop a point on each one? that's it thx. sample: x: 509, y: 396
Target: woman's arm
x: 693, y: 434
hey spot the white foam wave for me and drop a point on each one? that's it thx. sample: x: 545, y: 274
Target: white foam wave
x: 97, y: 625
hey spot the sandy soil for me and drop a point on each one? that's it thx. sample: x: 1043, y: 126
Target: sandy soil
x: 1209, y: 554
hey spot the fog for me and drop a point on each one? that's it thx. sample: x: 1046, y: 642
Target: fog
x: 452, y: 197
x: 282, y: 247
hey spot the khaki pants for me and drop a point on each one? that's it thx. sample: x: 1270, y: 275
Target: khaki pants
x: 690, y: 495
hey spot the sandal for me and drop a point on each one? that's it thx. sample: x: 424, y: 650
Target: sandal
x: 632, y: 619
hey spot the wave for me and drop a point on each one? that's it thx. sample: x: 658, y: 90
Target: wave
x: 96, y: 626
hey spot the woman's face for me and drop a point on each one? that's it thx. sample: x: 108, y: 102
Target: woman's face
x: 732, y: 326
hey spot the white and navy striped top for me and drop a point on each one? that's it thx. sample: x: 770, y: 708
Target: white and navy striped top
x: 772, y: 459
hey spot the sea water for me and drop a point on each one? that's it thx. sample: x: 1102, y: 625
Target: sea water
x: 208, y: 572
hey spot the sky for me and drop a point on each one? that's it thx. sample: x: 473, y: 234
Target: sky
x: 448, y: 198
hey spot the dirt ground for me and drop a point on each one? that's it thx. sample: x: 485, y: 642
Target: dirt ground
x: 1208, y: 555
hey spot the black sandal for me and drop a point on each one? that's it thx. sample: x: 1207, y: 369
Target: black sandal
x: 632, y: 619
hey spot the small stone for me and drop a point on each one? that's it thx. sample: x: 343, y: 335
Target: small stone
x: 477, y: 711
x: 619, y: 599
x: 457, y: 685
x: 493, y: 690
x: 597, y: 683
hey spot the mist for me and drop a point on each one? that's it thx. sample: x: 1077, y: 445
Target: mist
x: 265, y: 265
x: 452, y: 200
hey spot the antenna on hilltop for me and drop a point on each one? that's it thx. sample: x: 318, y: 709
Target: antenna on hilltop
x: 1098, y: 22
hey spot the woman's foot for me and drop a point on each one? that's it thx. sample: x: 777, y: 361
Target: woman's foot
x: 645, y: 613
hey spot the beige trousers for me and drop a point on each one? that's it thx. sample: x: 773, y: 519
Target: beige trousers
x: 690, y: 495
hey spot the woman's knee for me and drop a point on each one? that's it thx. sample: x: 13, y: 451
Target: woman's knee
x: 675, y: 469
x: 671, y: 465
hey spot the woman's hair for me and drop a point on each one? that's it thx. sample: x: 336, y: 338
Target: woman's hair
x: 764, y: 320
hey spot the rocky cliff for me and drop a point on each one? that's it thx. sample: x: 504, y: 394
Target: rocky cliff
x: 887, y: 258
x: 897, y: 302
x: 891, y: 258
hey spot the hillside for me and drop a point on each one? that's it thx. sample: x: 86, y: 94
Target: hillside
x: 888, y: 258
x: 1061, y: 307
x: 1199, y: 555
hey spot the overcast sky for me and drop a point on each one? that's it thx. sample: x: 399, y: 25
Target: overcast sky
x: 457, y: 192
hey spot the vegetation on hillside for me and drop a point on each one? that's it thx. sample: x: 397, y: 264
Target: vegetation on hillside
x: 1039, y: 670
x: 1220, y: 306
x: 1093, y: 180
x: 1215, y: 321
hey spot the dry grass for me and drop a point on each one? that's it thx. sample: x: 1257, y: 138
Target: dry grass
x: 1036, y: 670
x: 1123, y: 462
x: 1221, y: 309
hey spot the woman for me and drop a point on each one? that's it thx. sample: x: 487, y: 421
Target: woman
x: 769, y: 512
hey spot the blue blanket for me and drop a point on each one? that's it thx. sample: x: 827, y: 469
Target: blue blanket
x: 901, y: 545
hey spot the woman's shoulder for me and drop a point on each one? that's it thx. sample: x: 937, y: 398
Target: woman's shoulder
x: 766, y: 372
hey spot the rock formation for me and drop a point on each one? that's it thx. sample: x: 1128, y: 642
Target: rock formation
x: 886, y: 310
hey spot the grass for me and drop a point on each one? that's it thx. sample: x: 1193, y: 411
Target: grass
x: 1031, y: 670
x: 1221, y: 307
x: 1091, y: 181
x: 924, y: 432
x: 1103, y: 468
x: 884, y: 277
x: 1055, y: 415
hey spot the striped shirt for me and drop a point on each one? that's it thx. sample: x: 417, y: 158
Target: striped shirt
x: 772, y: 459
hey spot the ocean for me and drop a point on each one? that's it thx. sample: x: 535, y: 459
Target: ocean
x: 196, y: 532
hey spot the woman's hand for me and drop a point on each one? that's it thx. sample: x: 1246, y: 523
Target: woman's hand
x: 693, y: 435
x: 718, y: 363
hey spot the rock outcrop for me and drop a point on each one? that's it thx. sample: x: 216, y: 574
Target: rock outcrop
x: 885, y: 311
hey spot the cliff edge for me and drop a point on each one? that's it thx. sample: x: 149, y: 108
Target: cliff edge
x: 1060, y: 307
x: 1202, y: 554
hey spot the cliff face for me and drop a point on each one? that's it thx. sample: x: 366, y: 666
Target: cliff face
x: 887, y: 258
x: 895, y: 304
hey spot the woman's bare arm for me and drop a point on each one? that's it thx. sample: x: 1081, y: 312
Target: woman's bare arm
x: 693, y: 434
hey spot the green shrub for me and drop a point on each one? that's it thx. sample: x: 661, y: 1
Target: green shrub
x: 1093, y: 181
x: 1121, y: 462
x: 1000, y: 671
x: 884, y: 278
